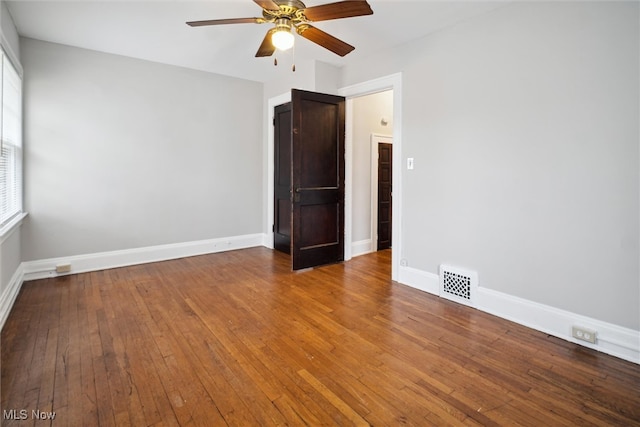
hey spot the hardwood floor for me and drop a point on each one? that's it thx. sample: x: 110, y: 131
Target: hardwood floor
x: 238, y: 339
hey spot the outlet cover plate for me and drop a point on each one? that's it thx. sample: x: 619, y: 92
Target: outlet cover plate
x: 584, y: 334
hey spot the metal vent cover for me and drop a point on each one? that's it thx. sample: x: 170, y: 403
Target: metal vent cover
x: 458, y: 285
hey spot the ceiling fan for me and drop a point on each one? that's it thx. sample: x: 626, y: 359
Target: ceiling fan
x: 293, y: 14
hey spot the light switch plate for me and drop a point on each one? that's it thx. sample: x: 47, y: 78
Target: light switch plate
x: 410, y: 163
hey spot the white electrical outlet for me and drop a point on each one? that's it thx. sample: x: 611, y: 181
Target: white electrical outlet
x: 63, y: 268
x: 584, y: 334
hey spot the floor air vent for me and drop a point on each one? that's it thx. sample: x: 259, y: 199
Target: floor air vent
x: 458, y: 285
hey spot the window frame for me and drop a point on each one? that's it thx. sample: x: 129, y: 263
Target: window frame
x: 15, y: 165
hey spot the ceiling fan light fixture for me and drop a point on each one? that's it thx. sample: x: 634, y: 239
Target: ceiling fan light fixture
x: 282, y: 38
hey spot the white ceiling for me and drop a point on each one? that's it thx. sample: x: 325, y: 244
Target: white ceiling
x: 155, y: 30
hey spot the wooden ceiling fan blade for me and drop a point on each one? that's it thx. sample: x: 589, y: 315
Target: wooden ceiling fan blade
x: 325, y: 40
x: 267, y: 4
x: 224, y: 21
x: 266, y: 48
x: 342, y: 9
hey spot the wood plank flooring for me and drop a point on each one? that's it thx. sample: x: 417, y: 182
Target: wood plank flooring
x: 237, y: 339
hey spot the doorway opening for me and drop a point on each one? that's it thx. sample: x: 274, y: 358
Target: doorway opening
x: 392, y: 83
x: 371, y: 132
x: 381, y: 192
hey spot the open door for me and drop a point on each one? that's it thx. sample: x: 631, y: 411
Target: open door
x: 317, y: 177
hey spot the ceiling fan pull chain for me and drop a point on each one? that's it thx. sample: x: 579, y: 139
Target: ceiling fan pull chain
x: 275, y: 61
x: 293, y: 60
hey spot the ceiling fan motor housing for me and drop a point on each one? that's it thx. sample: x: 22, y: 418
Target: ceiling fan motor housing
x: 288, y: 9
x: 283, y: 24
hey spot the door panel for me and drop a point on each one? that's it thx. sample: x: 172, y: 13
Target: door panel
x: 385, y: 155
x: 325, y: 214
x: 282, y: 178
x: 317, y: 179
x: 318, y: 153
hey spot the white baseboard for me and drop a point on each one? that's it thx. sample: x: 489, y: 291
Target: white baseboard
x: 361, y: 247
x: 267, y: 240
x: 425, y: 281
x: 611, y: 339
x: 104, y: 260
x: 10, y: 294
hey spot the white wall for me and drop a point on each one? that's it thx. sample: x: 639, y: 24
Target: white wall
x: 524, y: 128
x: 9, y: 258
x: 123, y: 153
x: 303, y: 78
x: 367, y: 114
x: 309, y: 75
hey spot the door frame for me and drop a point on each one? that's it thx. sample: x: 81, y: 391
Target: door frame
x: 390, y: 82
x: 375, y: 140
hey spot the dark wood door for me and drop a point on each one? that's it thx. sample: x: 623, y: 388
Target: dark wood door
x: 385, y: 154
x: 318, y: 123
x: 282, y: 178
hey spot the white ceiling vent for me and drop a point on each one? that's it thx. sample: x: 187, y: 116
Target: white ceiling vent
x: 458, y: 285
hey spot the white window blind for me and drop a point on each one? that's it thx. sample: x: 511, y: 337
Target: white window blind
x: 10, y: 142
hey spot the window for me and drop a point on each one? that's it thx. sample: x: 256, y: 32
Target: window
x: 10, y: 142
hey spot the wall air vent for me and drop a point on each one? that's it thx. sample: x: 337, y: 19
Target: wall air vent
x: 458, y: 285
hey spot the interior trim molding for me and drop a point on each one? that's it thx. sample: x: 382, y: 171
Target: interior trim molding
x: 612, y: 339
x: 419, y: 279
x: 361, y: 247
x: 10, y: 294
x: 11, y: 226
x: 390, y: 82
x: 8, y: 50
x: 41, y: 269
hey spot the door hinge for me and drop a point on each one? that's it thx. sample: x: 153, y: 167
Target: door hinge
x: 273, y: 228
x: 274, y: 121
